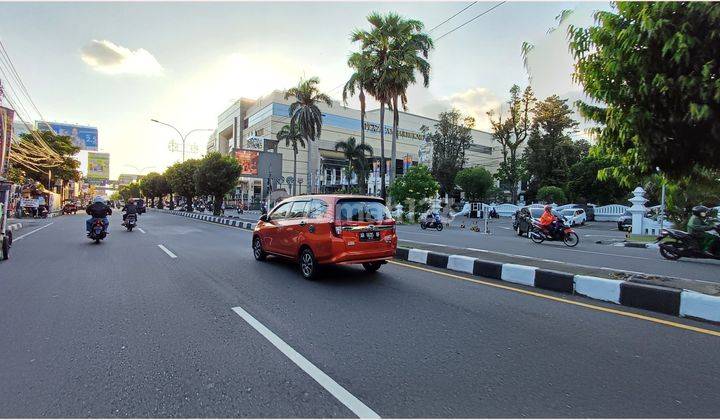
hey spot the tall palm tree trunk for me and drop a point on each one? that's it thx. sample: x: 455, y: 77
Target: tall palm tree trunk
x: 361, y: 183
x: 310, y: 185
x: 393, y: 146
x: 362, y: 116
x: 294, y: 187
x: 383, y: 166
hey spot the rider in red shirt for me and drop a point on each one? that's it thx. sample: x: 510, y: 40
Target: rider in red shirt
x: 547, y: 219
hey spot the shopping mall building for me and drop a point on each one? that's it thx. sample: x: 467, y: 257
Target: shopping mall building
x: 248, y: 130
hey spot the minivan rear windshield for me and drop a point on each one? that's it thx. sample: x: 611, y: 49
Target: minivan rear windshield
x: 359, y: 210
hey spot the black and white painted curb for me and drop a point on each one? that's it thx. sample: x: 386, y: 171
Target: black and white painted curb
x: 213, y: 219
x: 666, y: 300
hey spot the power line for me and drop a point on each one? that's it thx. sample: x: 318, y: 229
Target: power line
x: 14, y: 72
x: 481, y: 14
x: 448, y: 19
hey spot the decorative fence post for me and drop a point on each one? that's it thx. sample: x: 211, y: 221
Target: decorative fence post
x: 638, y: 210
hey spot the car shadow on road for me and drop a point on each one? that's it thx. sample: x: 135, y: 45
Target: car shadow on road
x: 331, y: 275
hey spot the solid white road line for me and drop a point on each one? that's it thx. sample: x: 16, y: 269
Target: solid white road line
x: 337, y: 391
x: 167, y: 251
x: 31, y: 232
x: 140, y: 229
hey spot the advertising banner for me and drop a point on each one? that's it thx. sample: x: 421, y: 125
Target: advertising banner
x: 84, y: 137
x: 6, y: 128
x: 98, y: 166
x: 248, y: 159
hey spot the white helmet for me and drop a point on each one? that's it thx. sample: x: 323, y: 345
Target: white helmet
x: 98, y: 199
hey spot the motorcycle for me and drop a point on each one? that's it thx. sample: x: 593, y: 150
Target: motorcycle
x: 432, y: 224
x: 561, y: 233
x: 682, y: 244
x: 97, y: 231
x: 130, y: 222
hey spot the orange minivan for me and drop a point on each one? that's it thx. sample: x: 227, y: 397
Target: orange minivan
x: 327, y: 229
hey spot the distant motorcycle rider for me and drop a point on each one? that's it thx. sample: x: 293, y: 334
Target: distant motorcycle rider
x: 98, y: 210
x: 548, y: 221
x: 698, y: 226
x: 129, y: 208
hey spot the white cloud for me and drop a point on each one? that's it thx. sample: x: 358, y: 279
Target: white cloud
x: 475, y: 102
x: 108, y: 57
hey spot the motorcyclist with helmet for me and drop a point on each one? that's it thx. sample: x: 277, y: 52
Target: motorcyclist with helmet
x: 98, y: 210
x: 129, y: 208
x: 699, y: 226
x: 548, y: 221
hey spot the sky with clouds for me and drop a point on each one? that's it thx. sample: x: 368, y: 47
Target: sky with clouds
x: 117, y: 65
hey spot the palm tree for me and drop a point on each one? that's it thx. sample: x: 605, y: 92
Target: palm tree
x: 361, y: 79
x: 292, y: 136
x: 395, y: 48
x: 306, y: 116
x: 357, y: 157
x: 374, y: 49
x: 408, y: 53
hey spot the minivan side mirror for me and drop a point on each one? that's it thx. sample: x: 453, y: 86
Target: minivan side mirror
x: 264, y: 218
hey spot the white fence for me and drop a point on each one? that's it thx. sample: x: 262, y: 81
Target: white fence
x: 609, y: 213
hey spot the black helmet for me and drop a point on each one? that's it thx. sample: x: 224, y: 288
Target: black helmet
x: 700, y: 211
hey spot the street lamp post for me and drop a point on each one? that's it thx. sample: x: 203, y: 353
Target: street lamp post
x: 182, y: 137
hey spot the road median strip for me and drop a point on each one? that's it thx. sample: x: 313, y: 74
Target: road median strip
x: 667, y: 300
x: 212, y: 219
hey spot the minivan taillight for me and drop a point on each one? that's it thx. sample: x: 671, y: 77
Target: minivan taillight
x: 391, y: 223
x: 336, y: 229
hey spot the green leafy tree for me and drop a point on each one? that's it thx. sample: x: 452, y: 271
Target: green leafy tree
x: 216, y: 175
x: 154, y: 185
x: 115, y: 196
x: 550, y: 150
x: 414, y: 188
x: 511, y: 133
x: 291, y: 135
x: 552, y: 194
x: 702, y: 187
x: 475, y: 182
x: 132, y: 190
x: 450, y: 141
x: 306, y: 116
x: 653, y: 69
x: 584, y: 186
x: 64, y: 166
x: 181, y: 178
x: 357, y: 157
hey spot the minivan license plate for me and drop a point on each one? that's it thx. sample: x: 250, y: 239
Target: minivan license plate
x: 369, y: 236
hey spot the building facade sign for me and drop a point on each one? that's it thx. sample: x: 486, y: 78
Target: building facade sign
x: 388, y: 130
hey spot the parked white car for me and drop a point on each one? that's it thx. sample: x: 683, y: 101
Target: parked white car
x: 574, y: 216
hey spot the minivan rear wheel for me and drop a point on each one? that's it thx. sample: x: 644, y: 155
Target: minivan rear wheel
x: 308, y: 264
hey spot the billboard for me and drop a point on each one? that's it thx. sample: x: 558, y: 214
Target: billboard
x: 6, y: 129
x: 84, y: 137
x: 248, y: 159
x: 98, y: 166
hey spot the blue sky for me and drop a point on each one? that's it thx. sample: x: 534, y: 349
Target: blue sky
x: 186, y: 62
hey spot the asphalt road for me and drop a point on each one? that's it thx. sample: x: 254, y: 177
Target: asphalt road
x: 127, y: 329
